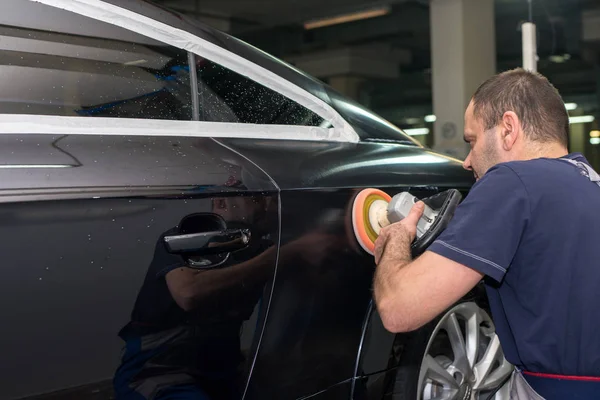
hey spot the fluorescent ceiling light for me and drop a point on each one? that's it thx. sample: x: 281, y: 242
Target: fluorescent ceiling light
x: 560, y: 58
x: 430, y: 118
x: 570, y: 106
x: 341, y: 19
x: 581, y: 119
x: 416, y: 131
x: 136, y: 62
x: 595, y: 140
x: 595, y: 134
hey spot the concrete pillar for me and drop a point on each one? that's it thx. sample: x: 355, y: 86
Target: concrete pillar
x: 347, y: 68
x: 463, y: 52
x: 348, y: 85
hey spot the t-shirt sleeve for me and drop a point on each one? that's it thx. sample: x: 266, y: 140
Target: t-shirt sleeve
x: 488, y: 225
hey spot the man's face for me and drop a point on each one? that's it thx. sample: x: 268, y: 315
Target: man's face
x: 485, y: 146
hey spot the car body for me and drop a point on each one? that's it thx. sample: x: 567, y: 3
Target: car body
x: 124, y: 126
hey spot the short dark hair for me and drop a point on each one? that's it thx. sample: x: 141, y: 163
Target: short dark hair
x: 532, y: 97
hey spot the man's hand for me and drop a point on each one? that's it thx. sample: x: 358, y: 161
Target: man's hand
x: 394, y: 240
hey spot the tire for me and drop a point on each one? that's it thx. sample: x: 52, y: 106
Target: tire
x: 432, y: 343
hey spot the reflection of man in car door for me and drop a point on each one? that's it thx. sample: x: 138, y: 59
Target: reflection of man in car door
x: 183, y: 338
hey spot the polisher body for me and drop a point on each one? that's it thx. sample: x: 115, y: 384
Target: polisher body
x: 399, y: 208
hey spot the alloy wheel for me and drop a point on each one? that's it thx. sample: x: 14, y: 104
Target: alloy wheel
x: 463, y: 359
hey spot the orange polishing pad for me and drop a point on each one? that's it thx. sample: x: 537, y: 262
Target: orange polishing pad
x: 368, y: 204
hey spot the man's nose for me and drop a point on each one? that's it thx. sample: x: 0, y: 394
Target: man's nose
x: 467, y: 163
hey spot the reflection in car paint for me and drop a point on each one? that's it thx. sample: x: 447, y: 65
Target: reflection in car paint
x: 184, y: 335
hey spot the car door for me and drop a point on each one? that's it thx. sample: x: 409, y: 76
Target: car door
x: 321, y: 301
x: 138, y: 253
x: 86, y: 270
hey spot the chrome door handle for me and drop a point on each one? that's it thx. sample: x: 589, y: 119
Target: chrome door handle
x: 204, y: 243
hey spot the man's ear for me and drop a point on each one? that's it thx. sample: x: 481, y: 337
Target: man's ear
x: 510, y: 130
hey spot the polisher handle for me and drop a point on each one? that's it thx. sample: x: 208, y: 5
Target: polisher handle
x: 444, y: 204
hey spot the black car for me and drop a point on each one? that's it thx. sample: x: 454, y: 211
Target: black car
x: 175, y: 222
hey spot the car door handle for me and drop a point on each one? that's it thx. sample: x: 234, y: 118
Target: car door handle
x: 203, y: 243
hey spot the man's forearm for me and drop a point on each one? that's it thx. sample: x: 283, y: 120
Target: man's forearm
x: 387, y: 282
x: 189, y: 287
x: 385, y: 279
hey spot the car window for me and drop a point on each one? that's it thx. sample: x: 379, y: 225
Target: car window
x: 71, y: 65
x: 68, y: 64
x: 226, y: 96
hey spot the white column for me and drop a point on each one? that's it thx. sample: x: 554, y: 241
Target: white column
x: 463, y: 54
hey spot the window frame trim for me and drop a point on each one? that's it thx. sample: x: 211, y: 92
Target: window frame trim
x: 99, y: 10
x: 11, y: 124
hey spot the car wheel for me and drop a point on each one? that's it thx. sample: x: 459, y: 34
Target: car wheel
x: 456, y: 356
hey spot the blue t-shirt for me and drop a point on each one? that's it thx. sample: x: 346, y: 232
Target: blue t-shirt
x: 533, y: 228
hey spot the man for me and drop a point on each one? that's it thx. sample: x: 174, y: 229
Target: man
x: 530, y: 227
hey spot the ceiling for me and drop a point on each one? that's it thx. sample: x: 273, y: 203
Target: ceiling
x: 269, y: 13
x: 276, y: 26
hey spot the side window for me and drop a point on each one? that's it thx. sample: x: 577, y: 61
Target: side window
x: 226, y: 96
x: 68, y: 64
x: 71, y: 65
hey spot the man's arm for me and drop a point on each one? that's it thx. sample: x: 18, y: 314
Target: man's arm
x: 481, y: 239
x: 190, y: 287
x: 410, y: 294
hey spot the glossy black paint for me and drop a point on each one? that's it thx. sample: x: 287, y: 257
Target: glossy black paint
x: 78, y: 242
x: 322, y: 285
x: 320, y: 300
x: 313, y: 165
